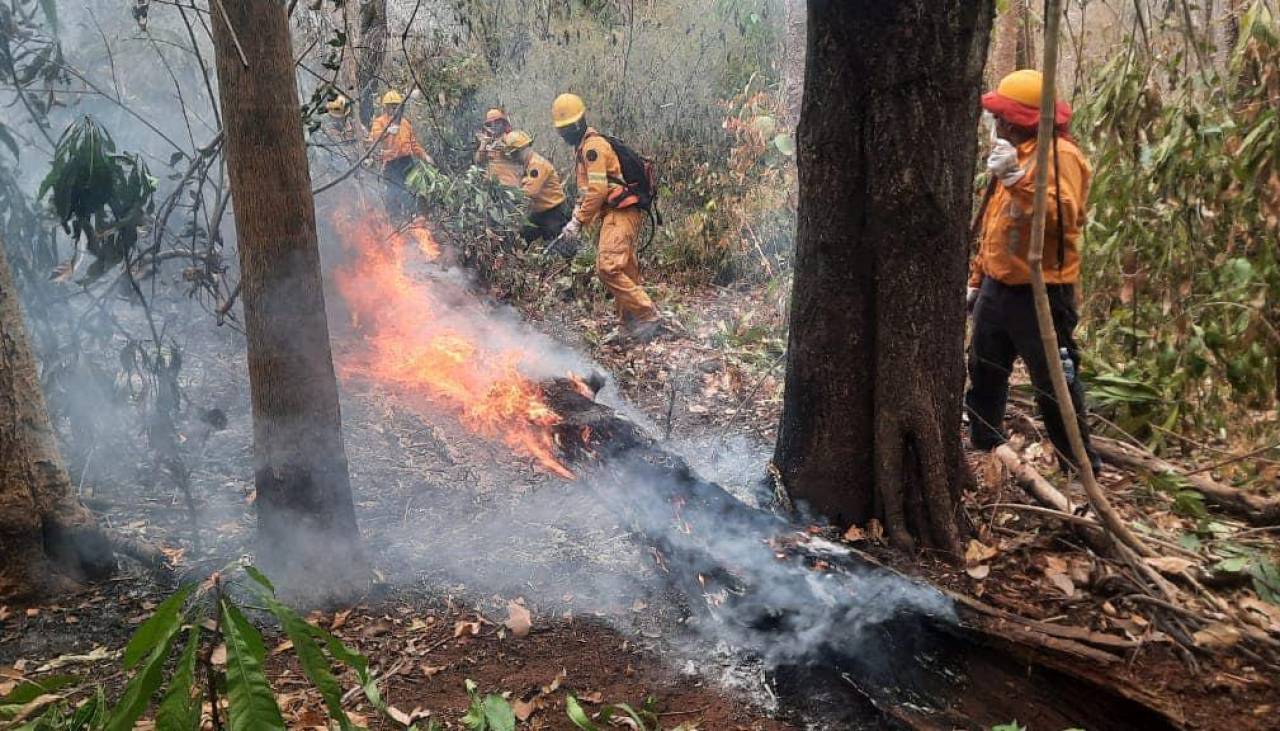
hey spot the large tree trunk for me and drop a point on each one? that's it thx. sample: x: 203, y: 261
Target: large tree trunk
x: 306, y: 521
x: 875, y: 368
x: 48, y: 540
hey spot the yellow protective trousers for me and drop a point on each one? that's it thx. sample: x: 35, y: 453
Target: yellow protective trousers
x: 618, y: 267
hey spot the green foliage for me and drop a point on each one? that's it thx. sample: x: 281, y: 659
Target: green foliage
x: 644, y: 719
x: 490, y: 713
x: 1181, y: 265
x: 98, y: 194
x: 251, y: 704
x: 481, y: 217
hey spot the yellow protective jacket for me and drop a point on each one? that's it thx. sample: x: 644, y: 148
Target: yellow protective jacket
x: 404, y: 143
x: 1006, y: 227
x: 541, y: 184
x: 597, y: 165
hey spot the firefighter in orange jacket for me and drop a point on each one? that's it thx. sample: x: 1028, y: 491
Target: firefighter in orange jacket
x: 1004, y: 317
x: 490, y: 152
x: 599, y: 171
x: 397, y: 149
x: 540, y: 183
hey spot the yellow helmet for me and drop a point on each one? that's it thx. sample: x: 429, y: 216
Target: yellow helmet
x: 1022, y: 86
x: 567, y: 109
x: 494, y: 115
x: 516, y: 140
x: 392, y: 97
x: 339, y: 106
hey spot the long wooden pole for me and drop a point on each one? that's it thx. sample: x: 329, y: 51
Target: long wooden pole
x: 1044, y: 315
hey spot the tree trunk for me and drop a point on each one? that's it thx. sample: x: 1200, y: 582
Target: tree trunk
x: 369, y: 45
x: 1007, y: 38
x: 871, y: 415
x: 307, y: 532
x: 793, y: 47
x: 48, y: 540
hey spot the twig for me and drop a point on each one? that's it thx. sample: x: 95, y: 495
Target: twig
x: 1233, y: 460
x: 230, y: 29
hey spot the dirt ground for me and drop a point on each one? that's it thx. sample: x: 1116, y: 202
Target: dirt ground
x: 458, y: 529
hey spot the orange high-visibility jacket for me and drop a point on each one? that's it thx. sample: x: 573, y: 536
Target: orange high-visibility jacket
x: 597, y: 164
x: 542, y: 184
x: 1006, y: 227
x: 404, y: 143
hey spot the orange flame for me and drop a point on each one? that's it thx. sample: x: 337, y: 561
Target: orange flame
x: 406, y: 347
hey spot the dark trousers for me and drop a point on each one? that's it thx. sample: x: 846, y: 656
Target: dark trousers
x: 1004, y: 328
x: 401, y: 202
x: 545, y: 225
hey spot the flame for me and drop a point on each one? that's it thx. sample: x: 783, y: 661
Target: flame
x: 406, y: 346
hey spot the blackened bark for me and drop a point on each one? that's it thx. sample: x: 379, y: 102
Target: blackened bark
x: 48, y: 540
x: 307, y: 532
x: 871, y: 414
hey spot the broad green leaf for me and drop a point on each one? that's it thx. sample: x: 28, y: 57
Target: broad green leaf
x: 498, y: 713
x: 313, y: 661
x: 144, y: 684
x: 785, y: 143
x: 179, y: 710
x: 159, y: 626
x: 252, y: 703
x: 32, y: 689
x: 261, y: 578
x: 578, y: 716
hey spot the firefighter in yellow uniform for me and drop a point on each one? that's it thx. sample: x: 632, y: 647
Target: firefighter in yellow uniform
x: 489, y: 149
x: 598, y: 170
x: 397, y: 148
x: 540, y: 183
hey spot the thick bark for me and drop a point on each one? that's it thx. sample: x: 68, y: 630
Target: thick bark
x: 871, y: 414
x: 48, y: 540
x: 307, y: 532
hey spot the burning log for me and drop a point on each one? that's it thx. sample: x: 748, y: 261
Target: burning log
x: 846, y: 638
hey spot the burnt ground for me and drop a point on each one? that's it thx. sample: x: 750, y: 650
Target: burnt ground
x: 457, y: 527
x: 718, y: 385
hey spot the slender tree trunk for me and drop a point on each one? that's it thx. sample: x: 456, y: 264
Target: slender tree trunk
x: 793, y: 47
x: 370, y: 45
x: 1006, y: 41
x: 48, y: 540
x: 871, y: 415
x: 306, y: 521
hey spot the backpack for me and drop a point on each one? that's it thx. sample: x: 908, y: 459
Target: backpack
x: 639, y: 184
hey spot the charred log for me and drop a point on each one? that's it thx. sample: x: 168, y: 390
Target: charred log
x: 848, y: 640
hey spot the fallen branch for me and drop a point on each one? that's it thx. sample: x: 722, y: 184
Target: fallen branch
x: 1049, y: 496
x: 1255, y: 509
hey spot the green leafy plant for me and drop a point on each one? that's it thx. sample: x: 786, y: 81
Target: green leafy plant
x: 488, y: 713
x: 98, y: 194
x: 645, y: 719
x: 181, y: 621
x: 1181, y: 269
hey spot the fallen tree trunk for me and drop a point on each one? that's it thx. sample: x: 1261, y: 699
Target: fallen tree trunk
x: 844, y: 636
x: 1255, y: 509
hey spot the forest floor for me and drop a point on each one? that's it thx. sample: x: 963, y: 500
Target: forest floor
x: 717, y: 382
x: 460, y: 531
